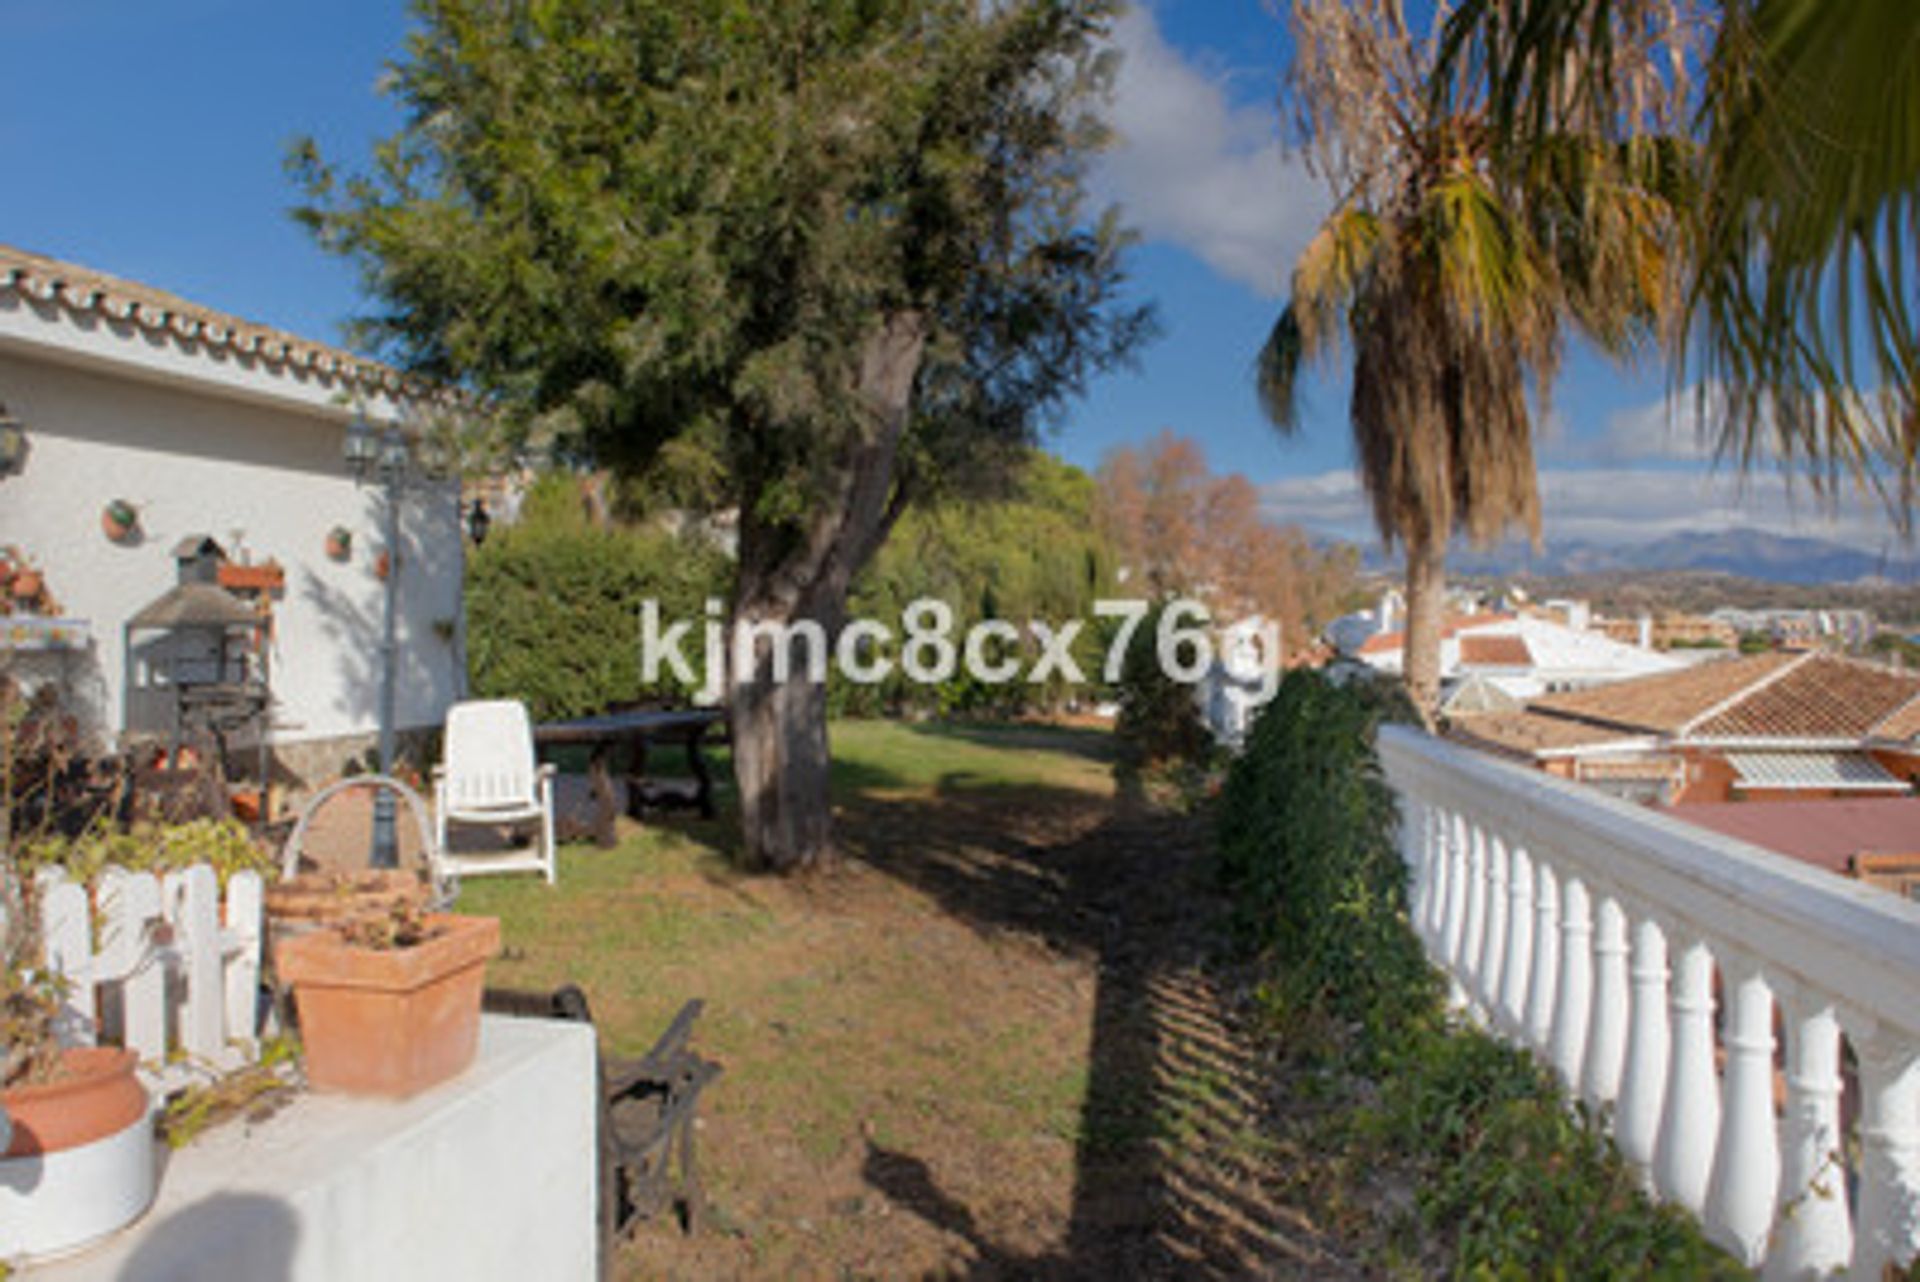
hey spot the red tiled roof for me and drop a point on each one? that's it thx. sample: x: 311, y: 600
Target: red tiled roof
x: 1903, y: 724
x: 1387, y: 642
x: 1825, y: 833
x: 1526, y: 733
x: 1495, y: 651
x: 49, y: 282
x: 1667, y: 702
x: 1826, y: 697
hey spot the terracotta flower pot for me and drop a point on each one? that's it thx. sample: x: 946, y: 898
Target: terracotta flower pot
x: 318, y: 900
x: 79, y: 1162
x: 26, y: 584
x: 94, y: 1095
x: 389, y: 1021
x: 339, y: 543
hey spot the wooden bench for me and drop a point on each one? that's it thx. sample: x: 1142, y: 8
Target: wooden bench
x: 647, y: 1112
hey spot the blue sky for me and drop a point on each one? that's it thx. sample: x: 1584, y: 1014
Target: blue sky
x: 145, y: 140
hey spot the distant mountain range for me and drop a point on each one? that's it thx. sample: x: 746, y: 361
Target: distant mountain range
x: 1747, y: 553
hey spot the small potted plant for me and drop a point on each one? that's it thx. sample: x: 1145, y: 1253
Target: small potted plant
x: 78, y: 1158
x: 339, y: 543
x: 388, y: 1005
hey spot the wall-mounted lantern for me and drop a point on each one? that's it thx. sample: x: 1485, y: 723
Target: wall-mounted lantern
x: 478, y: 522
x: 13, y: 443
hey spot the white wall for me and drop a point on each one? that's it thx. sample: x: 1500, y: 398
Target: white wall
x: 197, y: 458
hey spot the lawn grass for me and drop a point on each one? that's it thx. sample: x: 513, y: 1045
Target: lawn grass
x: 855, y: 1013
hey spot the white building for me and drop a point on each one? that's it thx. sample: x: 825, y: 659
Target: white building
x: 207, y: 425
x: 1518, y: 655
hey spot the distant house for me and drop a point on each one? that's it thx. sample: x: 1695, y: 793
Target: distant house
x: 1773, y: 726
x: 209, y: 429
x: 1520, y: 655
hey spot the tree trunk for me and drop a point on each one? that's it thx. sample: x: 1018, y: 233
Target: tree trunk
x: 780, y: 766
x: 795, y: 572
x: 1426, y: 617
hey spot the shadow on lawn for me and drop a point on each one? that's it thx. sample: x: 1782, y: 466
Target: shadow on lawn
x: 1167, y: 1174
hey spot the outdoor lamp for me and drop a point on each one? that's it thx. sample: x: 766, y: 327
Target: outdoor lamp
x: 478, y: 522
x: 13, y: 443
x: 393, y: 452
x: 360, y: 446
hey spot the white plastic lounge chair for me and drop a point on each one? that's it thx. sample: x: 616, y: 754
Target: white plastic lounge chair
x: 489, y: 777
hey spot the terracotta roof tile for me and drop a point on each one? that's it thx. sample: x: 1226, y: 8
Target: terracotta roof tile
x: 1666, y: 703
x: 1903, y: 724
x: 1825, y: 697
x: 49, y: 282
x: 1387, y: 642
x: 1527, y: 733
x: 1495, y: 651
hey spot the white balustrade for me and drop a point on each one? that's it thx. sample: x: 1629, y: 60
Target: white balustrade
x: 1812, y: 1233
x: 1567, y: 1048
x: 1683, y: 1155
x: 1607, y: 1034
x: 1600, y: 935
x: 1493, y: 947
x: 1543, y: 983
x: 1746, y: 1156
x: 1643, y: 1078
x: 1474, y: 841
x: 176, y: 971
x: 1514, y: 971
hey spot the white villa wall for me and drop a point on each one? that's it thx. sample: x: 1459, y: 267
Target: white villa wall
x: 258, y: 468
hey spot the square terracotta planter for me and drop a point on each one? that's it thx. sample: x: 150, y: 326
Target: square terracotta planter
x: 389, y: 1021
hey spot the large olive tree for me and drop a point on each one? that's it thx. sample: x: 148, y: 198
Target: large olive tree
x: 836, y: 248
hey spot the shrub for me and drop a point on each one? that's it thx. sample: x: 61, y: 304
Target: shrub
x: 553, y: 613
x: 1160, y: 721
x: 223, y: 844
x: 1518, y: 1178
x: 1307, y: 849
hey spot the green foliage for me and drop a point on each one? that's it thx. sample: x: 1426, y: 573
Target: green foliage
x: 1891, y: 646
x: 1034, y: 553
x: 223, y: 844
x: 1518, y: 1178
x: 1755, y: 643
x: 1306, y: 836
x: 1160, y: 721
x: 664, y: 224
x: 553, y: 610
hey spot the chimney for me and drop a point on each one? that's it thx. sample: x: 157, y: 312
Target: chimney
x: 1646, y: 630
x: 1389, y: 613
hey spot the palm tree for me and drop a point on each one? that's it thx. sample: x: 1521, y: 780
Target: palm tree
x: 1452, y: 283
x: 1802, y: 304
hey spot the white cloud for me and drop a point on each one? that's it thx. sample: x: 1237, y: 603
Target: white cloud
x: 1621, y: 505
x: 1192, y: 168
x: 1680, y: 429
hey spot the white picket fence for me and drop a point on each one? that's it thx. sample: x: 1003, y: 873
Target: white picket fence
x: 159, y: 964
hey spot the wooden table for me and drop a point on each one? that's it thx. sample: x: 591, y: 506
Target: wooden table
x: 636, y: 730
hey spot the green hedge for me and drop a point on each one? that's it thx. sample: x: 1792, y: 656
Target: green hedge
x: 553, y: 612
x: 1307, y: 849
